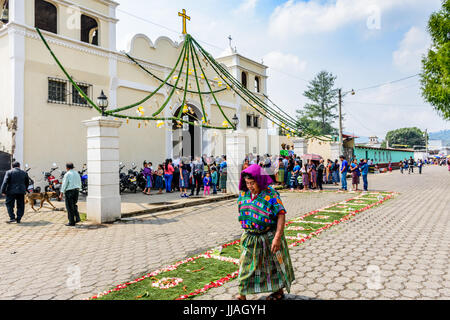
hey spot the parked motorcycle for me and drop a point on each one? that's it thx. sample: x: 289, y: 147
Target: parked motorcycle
x: 132, y: 179
x: 141, y: 181
x: 31, y: 186
x: 54, y: 185
x: 127, y: 181
x: 84, y: 180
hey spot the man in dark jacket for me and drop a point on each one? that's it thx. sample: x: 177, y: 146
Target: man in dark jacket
x: 14, y: 187
x: 197, y: 174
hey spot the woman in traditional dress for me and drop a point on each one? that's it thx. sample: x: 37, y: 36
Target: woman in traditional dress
x: 335, y: 169
x: 148, y: 177
x: 223, y: 175
x: 265, y: 263
x: 305, y: 177
x: 354, y: 168
x: 159, y: 180
x: 280, y: 171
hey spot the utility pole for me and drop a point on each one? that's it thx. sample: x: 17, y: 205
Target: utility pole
x: 341, y: 147
x: 426, y: 143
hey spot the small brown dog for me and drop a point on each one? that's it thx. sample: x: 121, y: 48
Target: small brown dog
x: 42, y: 197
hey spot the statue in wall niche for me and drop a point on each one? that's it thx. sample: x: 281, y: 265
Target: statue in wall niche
x: 12, y: 127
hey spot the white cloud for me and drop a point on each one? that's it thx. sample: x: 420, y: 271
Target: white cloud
x: 295, y: 18
x: 284, y: 61
x: 247, y: 6
x: 409, y: 54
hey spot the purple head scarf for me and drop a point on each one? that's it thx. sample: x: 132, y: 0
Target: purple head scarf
x: 259, y: 174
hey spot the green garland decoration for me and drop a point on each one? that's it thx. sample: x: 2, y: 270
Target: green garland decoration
x: 205, y: 119
x: 159, y: 79
x: 188, y: 53
x: 81, y: 92
x: 215, y: 65
x: 213, y: 95
x: 153, y: 93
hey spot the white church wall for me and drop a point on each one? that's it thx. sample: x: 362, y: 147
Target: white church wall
x: 144, y: 143
x: 5, y: 92
x: 54, y: 132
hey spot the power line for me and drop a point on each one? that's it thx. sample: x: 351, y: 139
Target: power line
x: 148, y: 21
x: 360, y: 122
x: 390, y: 82
x: 388, y: 104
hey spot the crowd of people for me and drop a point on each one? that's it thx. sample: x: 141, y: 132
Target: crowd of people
x: 188, y: 174
x: 301, y: 175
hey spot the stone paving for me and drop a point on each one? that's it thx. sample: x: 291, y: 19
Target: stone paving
x: 39, y: 257
x: 139, y: 203
x: 399, y: 250
x: 407, y: 238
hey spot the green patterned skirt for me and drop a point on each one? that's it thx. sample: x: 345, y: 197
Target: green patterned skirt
x: 223, y: 181
x: 280, y: 175
x: 261, y: 271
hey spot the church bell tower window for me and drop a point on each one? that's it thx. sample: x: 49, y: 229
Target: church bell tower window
x: 45, y: 16
x: 89, y: 30
x: 244, y: 79
x: 257, y: 84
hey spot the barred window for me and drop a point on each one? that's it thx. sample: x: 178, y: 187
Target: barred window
x: 77, y: 99
x: 57, y: 90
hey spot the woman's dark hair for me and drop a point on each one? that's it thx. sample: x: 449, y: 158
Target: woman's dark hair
x: 166, y: 165
x: 247, y: 175
x: 145, y: 162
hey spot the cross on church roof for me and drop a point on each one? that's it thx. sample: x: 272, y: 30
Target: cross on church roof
x: 184, y: 19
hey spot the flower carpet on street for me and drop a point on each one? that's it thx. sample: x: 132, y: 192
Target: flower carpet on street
x: 195, y: 275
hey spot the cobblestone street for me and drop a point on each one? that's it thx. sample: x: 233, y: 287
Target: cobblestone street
x: 408, y: 238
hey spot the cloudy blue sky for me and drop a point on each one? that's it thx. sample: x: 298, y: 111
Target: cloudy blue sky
x: 362, y: 42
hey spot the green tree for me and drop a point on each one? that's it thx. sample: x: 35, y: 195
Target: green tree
x: 318, y: 115
x: 405, y: 136
x: 435, y: 77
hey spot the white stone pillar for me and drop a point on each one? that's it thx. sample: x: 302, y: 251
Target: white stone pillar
x: 300, y: 147
x: 235, y: 152
x: 103, y: 201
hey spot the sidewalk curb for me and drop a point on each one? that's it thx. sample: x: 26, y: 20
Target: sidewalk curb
x: 179, y: 205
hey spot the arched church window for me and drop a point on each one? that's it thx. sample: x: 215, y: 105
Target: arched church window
x: 45, y: 16
x: 257, y: 84
x: 89, y: 30
x: 244, y: 79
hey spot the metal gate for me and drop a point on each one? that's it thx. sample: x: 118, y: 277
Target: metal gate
x: 5, y: 164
